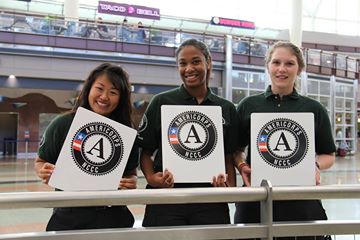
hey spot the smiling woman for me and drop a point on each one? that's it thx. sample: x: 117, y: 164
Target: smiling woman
x: 284, y: 62
x: 194, y: 66
x: 106, y: 92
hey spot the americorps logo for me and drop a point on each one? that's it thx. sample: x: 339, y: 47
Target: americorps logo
x: 97, y: 148
x: 282, y: 143
x: 192, y: 135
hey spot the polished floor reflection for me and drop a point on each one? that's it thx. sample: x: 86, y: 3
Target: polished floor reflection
x: 17, y: 175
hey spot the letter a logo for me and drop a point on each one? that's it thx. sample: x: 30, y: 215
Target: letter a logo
x: 99, y: 146
x: 282, y: 141
x: 193, y: 134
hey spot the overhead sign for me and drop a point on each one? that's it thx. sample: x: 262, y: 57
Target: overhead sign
x: 283, y: 149
x: 232, y: 22
x: 192, y: 142
x: 123, y: 9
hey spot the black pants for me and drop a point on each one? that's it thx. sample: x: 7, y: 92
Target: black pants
x: 186, y: 214
x: 76, y: 218
x: 296, y: 210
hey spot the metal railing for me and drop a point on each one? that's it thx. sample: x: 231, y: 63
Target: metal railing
x: 266, y: 194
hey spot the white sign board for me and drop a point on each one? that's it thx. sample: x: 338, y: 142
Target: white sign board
x: 192, y: 142
x: 94, y: 154
x: 282, y: 149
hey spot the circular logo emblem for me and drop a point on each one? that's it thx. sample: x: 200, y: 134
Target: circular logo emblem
x: 97, y: 148
x: 216, y: 20
x: 131, y: 10
x: 192, y: 135
x: 282, y: 143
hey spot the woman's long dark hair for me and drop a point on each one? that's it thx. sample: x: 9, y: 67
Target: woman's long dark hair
x: 120, y: 79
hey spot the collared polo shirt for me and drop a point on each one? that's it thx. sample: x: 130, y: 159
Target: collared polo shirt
x: 270, y: 102
x: 150, y: 128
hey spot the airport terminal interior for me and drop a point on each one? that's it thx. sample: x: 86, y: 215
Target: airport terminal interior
x: 47, y: 48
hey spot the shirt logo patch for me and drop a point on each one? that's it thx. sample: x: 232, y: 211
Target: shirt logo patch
x: 143, y: 123
x: 192, y: 135
x: 282, y: 143
x: 97, y: 148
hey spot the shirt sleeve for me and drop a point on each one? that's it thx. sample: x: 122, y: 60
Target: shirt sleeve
x: 133, y: 161
x: 231, y: 130
x: 53, y: 139
x: 243, y: 130
x: 324, y: 140
x: 149, y: 134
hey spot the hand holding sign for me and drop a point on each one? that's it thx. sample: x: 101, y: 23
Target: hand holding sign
x: 192, y: 141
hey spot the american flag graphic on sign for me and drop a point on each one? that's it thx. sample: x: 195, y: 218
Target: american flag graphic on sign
x: 262, y: 143
x: 78, y: 141
x: 173, y: 136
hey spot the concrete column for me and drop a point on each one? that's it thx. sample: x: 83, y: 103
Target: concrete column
x: 227, y: 83
x: 296, y: 22
x: 71, y: 9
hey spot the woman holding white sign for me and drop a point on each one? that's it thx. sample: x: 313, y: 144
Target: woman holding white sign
x: 194, y: 65
x: 107, y: 92
x: 284, y: 62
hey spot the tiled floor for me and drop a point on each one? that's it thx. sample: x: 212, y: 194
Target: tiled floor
x: 17, y: 175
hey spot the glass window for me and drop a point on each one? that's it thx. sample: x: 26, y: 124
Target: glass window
x: 349, y: 105
x: 327, y: 60
x: 339, y: 90
x: 341, y: 62
x: 349, y: 91
x: 346, y: 27
x: 313, y: 57
x: 339, y: 104
x: 313, y: 87
x: 238, y: 95
x: 257, y: 80
x: 185, y: 36
x: 348, y: 11
x: 241, y: 47
x: 324, y: 88
x: 258, y: 49
x: 349, y: 118
x: 339, y: 118
x: 324, y: 25
x: 319, y: 8
x: 349, y: 132
x: 214, y: 43
x: 240, y: 79
x: 351, y: 65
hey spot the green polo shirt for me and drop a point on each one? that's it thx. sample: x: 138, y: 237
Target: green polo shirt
x: 150, y: 129
x: 54, y: 138
x: 270, y: 102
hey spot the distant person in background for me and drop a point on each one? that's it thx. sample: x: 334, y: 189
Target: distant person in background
x: 141, y: 35
x: 100, y: 26
x: 243, y: 47
x: 107, y: 92
x: 125, y: 31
